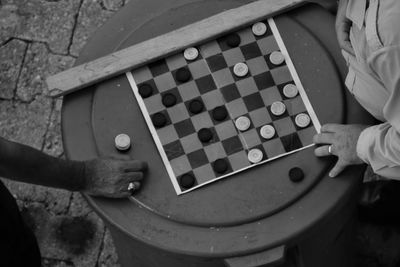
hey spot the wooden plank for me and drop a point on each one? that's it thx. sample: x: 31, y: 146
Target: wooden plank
x: 121, y: 61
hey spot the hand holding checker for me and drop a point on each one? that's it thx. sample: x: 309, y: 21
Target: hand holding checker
x: 113, y: 178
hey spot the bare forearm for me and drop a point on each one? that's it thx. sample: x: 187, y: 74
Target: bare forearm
x: 26, y: 164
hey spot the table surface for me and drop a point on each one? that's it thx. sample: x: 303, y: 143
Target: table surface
x: 238, y: 214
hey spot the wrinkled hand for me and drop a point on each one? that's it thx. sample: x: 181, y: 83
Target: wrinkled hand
x: 110, y: 178
x: 343, y: 141
x: 343, y: 25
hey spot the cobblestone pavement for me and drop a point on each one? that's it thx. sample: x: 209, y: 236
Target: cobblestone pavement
x: 39, y: 38
x: 43, y: 37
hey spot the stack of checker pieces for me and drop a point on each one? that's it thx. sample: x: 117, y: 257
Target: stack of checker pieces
x: 223, y: 107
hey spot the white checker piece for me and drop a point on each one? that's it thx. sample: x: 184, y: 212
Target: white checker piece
x: 242, y: 123
x: 191, y: 53
x: 278, y: 108
x: 241, y: 69
x: 276, y: 58
x: 267, y: 131
x: 255, y: 155
x: 290, y: 90
x: 259, y: 29
x: 122, y: 142
x: 302, y: 120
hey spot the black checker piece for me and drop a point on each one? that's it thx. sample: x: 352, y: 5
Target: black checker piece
x: 183, y: 75
x: 233, y: 40
x: 220, y: 166
x: 196, y: 106
x: 145, y: 90
x: 205, y: 135
x: 169, y: 100
x: 187, y: 181
x: 219, y: 113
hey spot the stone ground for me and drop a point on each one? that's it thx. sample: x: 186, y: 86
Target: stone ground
x: 43, y: 37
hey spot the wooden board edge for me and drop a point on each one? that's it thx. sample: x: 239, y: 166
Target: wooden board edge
x: 116, y: 63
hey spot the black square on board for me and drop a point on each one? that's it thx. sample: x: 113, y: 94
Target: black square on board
x: 230, y: 92
x: 232, y: 145
x: 184, y: 128
x: 164, y: 113
x: 222, y: 42
x: 197, y: 158
x: 270, y: 64
x: 184, y: 183
x: 224, y: 161
x: 216, y: 62
x: 187, y: 104
x: 205, y: 84
x: 293, y: 118
x: 264, y: 80
x: 291, y: 142
x: 268, y: 32
x: 251, y: 51
x: 175, y: 92
x: 174, y: 74
x: 174, y: 150
x: 152, y: 84
x: 261, y: 148
x: 262, y: 138
x: 276, y: 117
x: 237, y: 78
x: 280, y: 88
x: 159, y: 67
x: 253, y: 101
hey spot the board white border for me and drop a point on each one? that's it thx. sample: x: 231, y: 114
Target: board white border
x: 160, y: 147
x: 153, y: 132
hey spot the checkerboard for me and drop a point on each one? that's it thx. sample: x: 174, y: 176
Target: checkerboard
x: 214, y: 83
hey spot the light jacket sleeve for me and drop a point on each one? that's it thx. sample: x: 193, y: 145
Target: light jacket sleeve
x: 379, y: 145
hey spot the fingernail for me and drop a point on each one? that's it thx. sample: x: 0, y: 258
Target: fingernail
x: 331, y: 175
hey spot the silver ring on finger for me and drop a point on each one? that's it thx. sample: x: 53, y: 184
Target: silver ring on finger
x: 330, y: 149
x: 131, y: 187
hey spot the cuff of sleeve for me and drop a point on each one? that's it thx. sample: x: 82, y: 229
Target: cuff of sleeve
x: 363, y: 143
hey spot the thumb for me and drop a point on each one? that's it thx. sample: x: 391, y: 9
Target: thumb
x: 339, y: 167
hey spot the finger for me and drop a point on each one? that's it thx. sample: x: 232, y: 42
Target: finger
x: 331, y: 127
x: 323, y: 138
x: 135, y: 165
x: 134, y: 176
x: 322, y: 151
x: 137, y: 185
x: 339, y: 167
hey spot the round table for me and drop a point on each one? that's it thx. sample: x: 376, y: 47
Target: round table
x: 255, y: 218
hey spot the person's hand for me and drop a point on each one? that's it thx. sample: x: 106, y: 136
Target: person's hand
x: 111, y: 178
x: 343, y: 142
x: 343, y: 25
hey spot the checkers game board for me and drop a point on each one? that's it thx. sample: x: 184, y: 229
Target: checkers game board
x: 193, y: 106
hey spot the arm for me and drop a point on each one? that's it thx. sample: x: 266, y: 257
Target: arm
x: 108, y: 178
x: 379, y: 145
